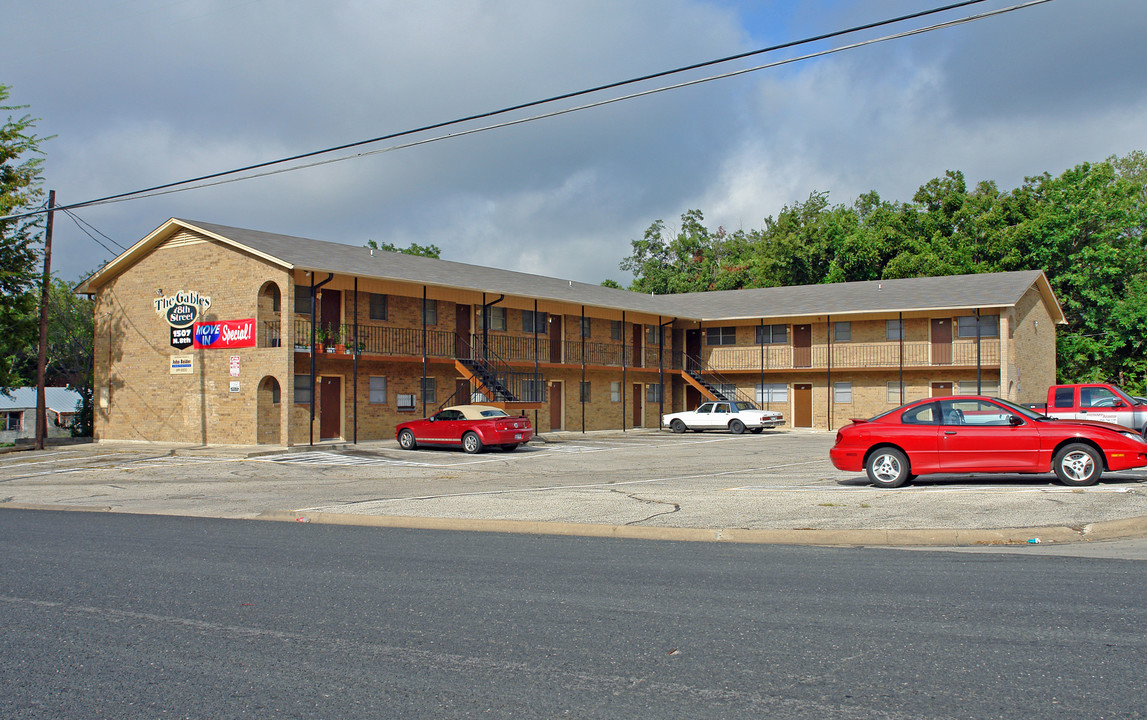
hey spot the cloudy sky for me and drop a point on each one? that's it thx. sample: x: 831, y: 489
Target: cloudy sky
x: 140, y: 93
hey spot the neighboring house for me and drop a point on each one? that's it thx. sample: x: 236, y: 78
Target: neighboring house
x: 208, y: 334
x: 18, y: 412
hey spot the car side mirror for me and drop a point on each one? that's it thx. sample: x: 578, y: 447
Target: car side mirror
x: 1015, y: 420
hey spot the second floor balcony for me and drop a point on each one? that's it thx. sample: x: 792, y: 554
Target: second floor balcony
x: 388, y: 341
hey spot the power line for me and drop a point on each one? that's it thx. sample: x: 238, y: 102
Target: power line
x: 167, y: 190
x: 201, y: 180
x: 80, y: 223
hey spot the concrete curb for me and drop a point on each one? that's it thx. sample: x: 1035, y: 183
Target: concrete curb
x: 933, y: 537
x: 926, y: 537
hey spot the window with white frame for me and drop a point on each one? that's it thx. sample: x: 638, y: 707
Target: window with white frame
x: 772, y: 393
x: 12, y: 420
x: 653, y: 393
x: 842, y: 332
x: 894, y: 330
x: 497, y: 318
x: 989, y: 326
x: 991, y: 388
x: 429, y: 390
x: 772, y: 334
x: 652, y: 336
x: 729, y: 390
x: 377, y: 390
x: 614, y: 329
x: 721, y: 336
x: 302, y: 389
x: 894, y: 396
x: 842, y: 392
x: 534, y: 322
x: 615, y: 391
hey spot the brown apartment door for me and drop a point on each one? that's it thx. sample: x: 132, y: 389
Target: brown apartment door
x: 638, y: 420
x: 638, y: 353
x: 555, y: 406
x: 461, y: 331
x: 330, y: 407
x: 941, y: 341
x: 802, y: 405
x: 555, y: 338
x: 692, y: 347
x: 802, y: 346
x: 330, y: 316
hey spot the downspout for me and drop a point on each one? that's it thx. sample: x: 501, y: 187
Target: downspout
x: 354, y: 386
x: 624, y: 389
x: 314, y: 394
x: 831, y: 390
x: 486, y: 323
x: 762, y: 344
x: 661, y: 364
x: 422, y: 390
x: 901, y: 358
x: 979, y: 386
x: 581, y: 388
x: 536, y: 392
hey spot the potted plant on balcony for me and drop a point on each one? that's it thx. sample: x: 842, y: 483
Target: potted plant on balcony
x: 331, y: 340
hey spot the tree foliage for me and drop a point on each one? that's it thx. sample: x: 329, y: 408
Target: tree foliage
x: 20, y: 179
x: 1084, y: 228
x: 430, y: 251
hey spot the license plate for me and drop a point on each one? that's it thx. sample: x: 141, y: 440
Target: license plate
x: 518, y: 436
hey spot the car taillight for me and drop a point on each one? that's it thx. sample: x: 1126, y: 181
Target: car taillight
x: 839, y: 437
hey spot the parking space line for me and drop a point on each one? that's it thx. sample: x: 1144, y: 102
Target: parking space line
x: 927, y: 489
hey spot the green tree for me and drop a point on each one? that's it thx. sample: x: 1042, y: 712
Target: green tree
x: 430, y: 251
x: 20, y: 178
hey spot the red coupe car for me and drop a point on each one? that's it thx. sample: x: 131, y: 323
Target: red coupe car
x: 471, y: 427
x: 982, y: 435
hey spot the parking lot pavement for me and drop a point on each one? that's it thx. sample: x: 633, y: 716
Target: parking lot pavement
x: 779, y: 480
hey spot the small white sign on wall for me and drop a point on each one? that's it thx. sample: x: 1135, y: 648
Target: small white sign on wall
x: 234, y: 386
x: 182, y: 364
x: 234, y: 366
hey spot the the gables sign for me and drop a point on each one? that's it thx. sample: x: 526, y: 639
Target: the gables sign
x: 180, y: 311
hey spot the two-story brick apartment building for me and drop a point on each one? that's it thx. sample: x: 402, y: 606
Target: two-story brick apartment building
x: 213, y: 334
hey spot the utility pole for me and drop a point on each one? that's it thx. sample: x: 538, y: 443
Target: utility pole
x: 42, y: 361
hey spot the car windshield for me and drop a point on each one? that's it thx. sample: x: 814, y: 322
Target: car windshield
x: 1021, y: 410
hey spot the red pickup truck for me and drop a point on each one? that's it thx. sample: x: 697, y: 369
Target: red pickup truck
x: 1094, y: 401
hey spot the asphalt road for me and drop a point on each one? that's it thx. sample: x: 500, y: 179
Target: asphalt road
x: 135, y: 616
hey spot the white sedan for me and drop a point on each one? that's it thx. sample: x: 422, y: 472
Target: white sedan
x: 735, y: 417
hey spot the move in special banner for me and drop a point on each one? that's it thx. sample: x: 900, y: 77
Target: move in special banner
x: 223, y: 334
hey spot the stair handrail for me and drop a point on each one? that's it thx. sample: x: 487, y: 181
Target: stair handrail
x: 696, y: 365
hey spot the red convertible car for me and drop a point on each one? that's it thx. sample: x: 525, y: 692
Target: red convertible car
x: 982, y: 435
x: 471, y: 427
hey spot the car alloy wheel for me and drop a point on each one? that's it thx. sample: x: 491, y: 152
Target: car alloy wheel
x: 471, y: 443
x: 406, y: 440
x: 677, y: 426
x: 1077, y: 465
x: 887, y: 468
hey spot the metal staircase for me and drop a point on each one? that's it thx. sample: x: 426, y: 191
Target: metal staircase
x: 492, y: 376
x: 710, y: 382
